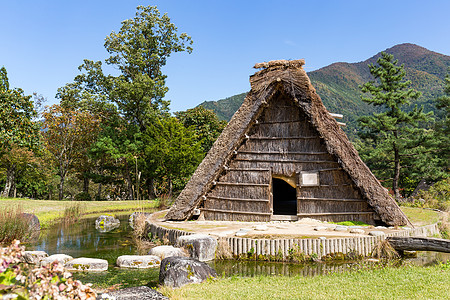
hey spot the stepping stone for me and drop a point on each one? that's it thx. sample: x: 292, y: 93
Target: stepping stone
x: 138, y: 261
x: 355, y: 227
x: 244, y: 229
x: 322, y: 238
x: 376, y: 233
x: 166, y: 251
x: 261, y: 228
x: 340, y: 228
x: 34, y: 257
x: 61, y: 258
x: 87, y: 264
x: 225, y: 233
x: 134, y: 293
x: 318, y: 228
x: 358, y: 231
x: 381, y: 227
x: 178, y: 271
x: 200, y: 246
x: 241, y: 233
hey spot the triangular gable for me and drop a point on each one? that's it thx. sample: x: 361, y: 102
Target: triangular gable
x: 289, y: 78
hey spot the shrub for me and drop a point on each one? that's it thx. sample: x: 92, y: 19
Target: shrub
x: 49, y: 282
x: 14, y: 225
x: 73, y: 213
x: 83, y: 197
x: 438, y: 196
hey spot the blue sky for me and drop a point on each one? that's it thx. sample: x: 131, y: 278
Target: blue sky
x: 43, y: 42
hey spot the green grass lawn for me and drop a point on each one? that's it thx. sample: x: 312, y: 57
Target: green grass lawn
x: 387, y: 283
x: 48, y: 211
x: 419, y: 216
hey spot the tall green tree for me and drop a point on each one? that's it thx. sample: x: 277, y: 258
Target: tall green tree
x: 17, y: 127
x: 205, y: 122
x: 67, y: 134
x: 392, y: 135
x: 173, y: 151
x: 442, y: 127
x: 138, y: 51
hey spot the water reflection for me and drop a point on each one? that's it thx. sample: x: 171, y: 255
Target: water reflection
x: 229, y: 268
x: 83, y: 240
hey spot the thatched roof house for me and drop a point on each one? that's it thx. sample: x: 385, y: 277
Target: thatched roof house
x: 283, y: 156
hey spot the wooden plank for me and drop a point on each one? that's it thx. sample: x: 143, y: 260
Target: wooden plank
x: 336, y: 213
x: 249, y: 170
x: 235, y: 212
x: 419, y: 244
x: 330, y: 199
x: 279, y: 122
x: 336, y: 116
x: 243, y: 184
x: 329, y: 185
x: 275, y: 138
x: 287, y: 161
x: 326, y: 170
x: 282, y: 153
x: 237, y: 199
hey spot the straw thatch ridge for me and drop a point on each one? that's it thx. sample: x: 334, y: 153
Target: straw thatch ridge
x: 289, y: 78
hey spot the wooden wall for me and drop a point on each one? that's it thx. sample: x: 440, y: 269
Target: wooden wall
x: 283, y: 142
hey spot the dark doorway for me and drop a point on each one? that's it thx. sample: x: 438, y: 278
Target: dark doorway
x: 284, y: 198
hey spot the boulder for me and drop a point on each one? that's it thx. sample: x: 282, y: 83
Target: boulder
x: 106, y: 223
x: 61, y: 258
x: 166, y: 251
x: 357, y: 231
x: 135, y: 215
x: 34, y: 257
x: 33, y: 221
x: 200, y: 246
x: 87, y: 264
x: 177, y: 271
x: 138, y: 261
x: 134, y: 293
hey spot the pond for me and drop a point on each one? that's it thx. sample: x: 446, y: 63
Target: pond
x: 83, y: 240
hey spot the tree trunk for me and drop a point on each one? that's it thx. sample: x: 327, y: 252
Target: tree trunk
x: 419, y: 244
x: 170, y: 187
x: 61, y: 188
x: 151, y: 188
x: 129, y: 182
x: 396, y: 179
x: 99, y: 191
x: 85, y: 184
x: 10, y: 181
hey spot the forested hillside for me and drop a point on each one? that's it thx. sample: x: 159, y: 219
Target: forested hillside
x: 338, y: 84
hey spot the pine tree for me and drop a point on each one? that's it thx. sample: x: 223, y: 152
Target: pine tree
x: 393, y: 134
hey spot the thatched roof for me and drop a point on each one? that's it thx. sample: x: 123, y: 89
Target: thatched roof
x: 289, y: 78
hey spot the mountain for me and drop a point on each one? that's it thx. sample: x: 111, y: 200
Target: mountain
x: 338, y: 84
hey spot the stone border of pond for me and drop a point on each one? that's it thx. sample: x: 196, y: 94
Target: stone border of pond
x: 315, y: 247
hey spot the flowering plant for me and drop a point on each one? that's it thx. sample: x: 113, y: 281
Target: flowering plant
x: 46, y: 282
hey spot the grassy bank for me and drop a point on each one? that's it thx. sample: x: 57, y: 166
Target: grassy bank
x: 49, y: 211
x: 386, y: 283
x: 420, y: 216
